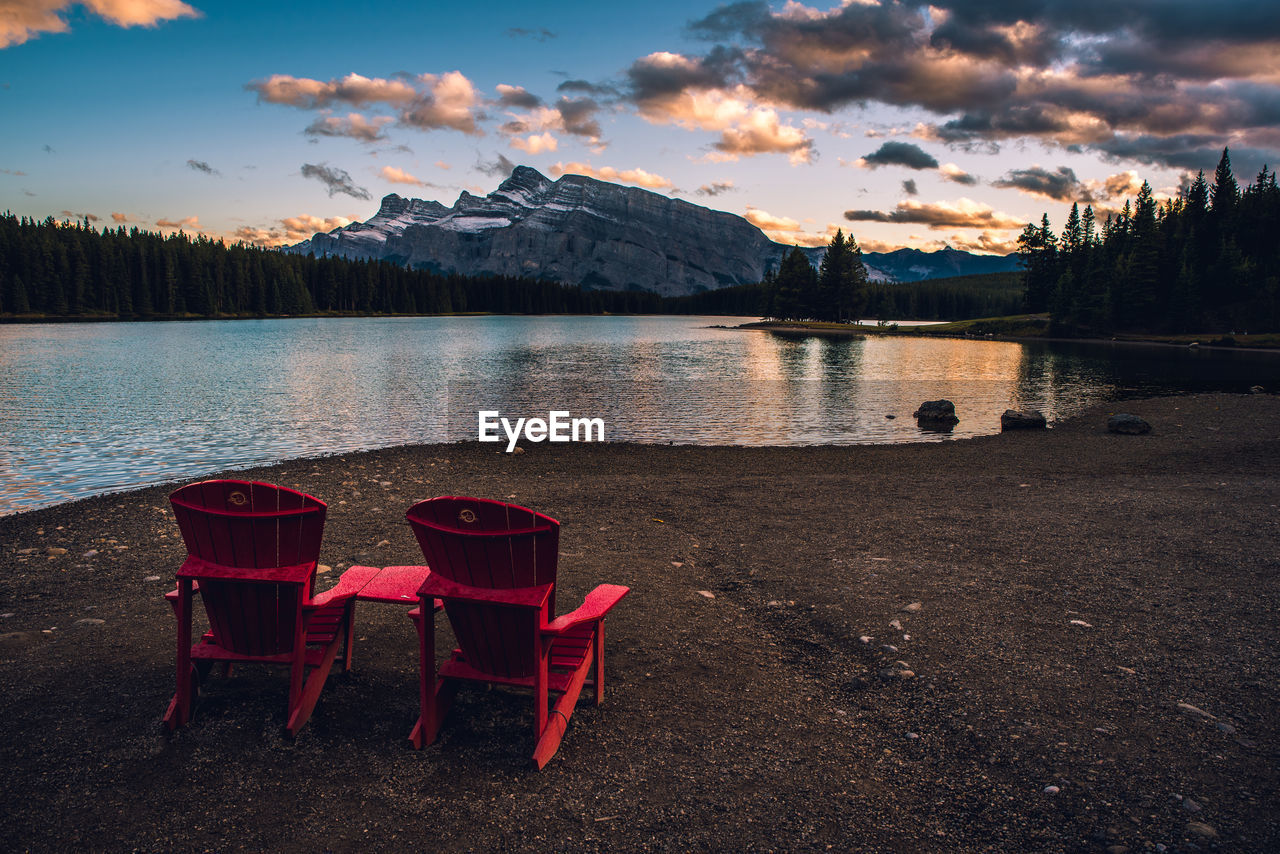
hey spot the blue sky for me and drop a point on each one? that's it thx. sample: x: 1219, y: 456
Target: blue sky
x: 905, y: 124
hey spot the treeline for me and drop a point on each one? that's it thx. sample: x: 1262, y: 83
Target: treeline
x: 953, y: 298
x: 71, y: 270
x: 1208, y: 260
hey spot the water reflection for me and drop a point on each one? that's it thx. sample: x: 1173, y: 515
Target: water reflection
x: 96, y: 407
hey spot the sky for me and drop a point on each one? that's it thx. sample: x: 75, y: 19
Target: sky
x: 904, y: 124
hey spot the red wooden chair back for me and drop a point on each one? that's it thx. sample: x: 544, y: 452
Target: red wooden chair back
x: 250, y: 526
x: 490, y: 544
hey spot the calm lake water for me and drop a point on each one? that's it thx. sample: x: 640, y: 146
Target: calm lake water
x: 92, y: 408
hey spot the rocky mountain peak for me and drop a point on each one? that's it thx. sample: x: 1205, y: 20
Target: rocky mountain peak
x: 583, y: 231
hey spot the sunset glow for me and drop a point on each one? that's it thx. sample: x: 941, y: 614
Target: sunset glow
x: 907, y: 124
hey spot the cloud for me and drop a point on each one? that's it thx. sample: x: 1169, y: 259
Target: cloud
x: 909, y: 187
x: 425, y: 102
x: 191, y: 223
x: 499, y: 168
x: 337, y: 180
x: 715, y: 188
x: 782, y: 229
x: 638, y: 177
x: 517, y: 96
x: 201, y: 166
x: 290, y: 230
x: 1061, y: 184
x: 81, y: 216
x: 899, y: 154
x: 994, y: 242
x: 11, y: 172
x: 352, y: 125
x: 354, y: 89
x: 1127, y: 80
x: 956, y: 175
x: 120, y: 218
x: 963, y: 213
x: 574, y: 116
x: 535, y: 143
x: 23, y: 20
x: 539, y: 35
x: 399, y: 176
x: 1122, y: 185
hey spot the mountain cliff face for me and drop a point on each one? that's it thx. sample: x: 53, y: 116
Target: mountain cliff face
x: 575, y: 230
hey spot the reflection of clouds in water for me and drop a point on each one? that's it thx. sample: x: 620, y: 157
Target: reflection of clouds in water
x: 98, y: 407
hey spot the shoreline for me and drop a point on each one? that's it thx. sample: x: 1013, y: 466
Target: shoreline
x: 1078, y: 611
x: 856, y: 331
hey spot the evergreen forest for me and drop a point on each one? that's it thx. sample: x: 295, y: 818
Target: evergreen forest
x: 1206, y: 261
x: 70, y: 270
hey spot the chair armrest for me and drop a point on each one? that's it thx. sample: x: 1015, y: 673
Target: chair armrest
x: 351, y: 582
x: 598, y: 603
x: 175, y: 593
x: 436, y: 586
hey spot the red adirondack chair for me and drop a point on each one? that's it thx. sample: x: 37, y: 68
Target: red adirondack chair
x: 494, y: 567
x: 252, y: 551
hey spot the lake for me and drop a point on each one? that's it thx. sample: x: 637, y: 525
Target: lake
x: 93, y: 408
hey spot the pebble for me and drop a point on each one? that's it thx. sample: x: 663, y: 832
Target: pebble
x: 321, y: 569
x: 863, y: 639
x: 1051, y: 790
x: 1223, y: 726
x: 1202, y: 830
x: 895, y: 624
x: 90, y: 553
x: 27, y: 551
x: 6, y: 616
x: 912, y: 736
x: 54, y: 551
x: 1192, y: 710
x: 1191, y: 805
x: 888, y: 647
x: 152, y: 578
x: 707, y: 593
x: 913, y: 607
x: 90, y: 621
x: 1082, y: 623
x: 382, y: 543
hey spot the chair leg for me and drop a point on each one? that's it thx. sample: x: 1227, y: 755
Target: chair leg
x: 300, y: 711
x: 179, y: 711
x: 553, y: 731
x: 435, y: 695
x: 349, y: 638
x: 599, y: 659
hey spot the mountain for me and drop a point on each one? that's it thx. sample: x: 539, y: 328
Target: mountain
x: 583, y: 231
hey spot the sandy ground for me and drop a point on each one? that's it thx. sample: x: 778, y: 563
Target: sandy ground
x: 1051, y: 641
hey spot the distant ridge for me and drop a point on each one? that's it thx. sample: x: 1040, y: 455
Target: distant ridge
x: 583, y: 231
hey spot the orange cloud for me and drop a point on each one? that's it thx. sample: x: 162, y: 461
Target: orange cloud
x: 120, y: 218
x: 996, y: 242
x: 638, y: 177
x: 535, y: 143
x: 963, y: 213
x: 745, y: 129
x: 426, y: 102
x: 294, y: 229
x: 783, y: 229
x: 398, y: 176
x: 191, y: 223
x: 23, y: 20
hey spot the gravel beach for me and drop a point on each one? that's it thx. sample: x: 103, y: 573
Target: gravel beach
x: 1061, y: 640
